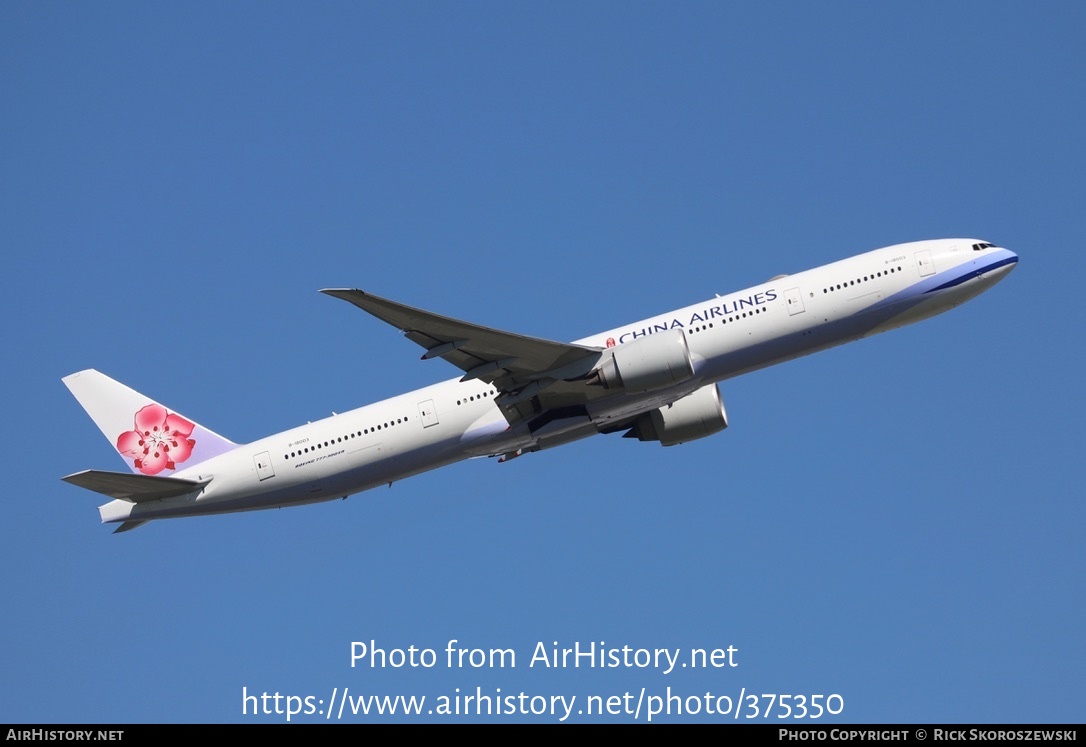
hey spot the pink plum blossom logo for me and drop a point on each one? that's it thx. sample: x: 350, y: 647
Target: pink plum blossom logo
x: 160, y: 440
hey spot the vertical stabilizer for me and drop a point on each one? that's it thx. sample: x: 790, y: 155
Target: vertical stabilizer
x: 152, y: 439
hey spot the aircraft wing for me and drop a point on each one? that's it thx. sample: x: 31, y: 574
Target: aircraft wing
x: 520, y: 367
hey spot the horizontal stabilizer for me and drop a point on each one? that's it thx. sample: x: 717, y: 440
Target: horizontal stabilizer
x: 133, y: 488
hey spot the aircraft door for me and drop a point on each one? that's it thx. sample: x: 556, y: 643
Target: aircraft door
x: 427, y: 413
x: 794, y: 299
x: 924, y: 263
x: 264, y: 468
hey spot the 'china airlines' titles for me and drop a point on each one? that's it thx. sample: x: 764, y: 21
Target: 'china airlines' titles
x: 719, y: 311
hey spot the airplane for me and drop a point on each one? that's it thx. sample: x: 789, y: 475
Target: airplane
x: 654, y: 380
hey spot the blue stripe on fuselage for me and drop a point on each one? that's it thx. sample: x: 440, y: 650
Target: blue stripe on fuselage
x: 949, y: 278
x: 1001, y: 262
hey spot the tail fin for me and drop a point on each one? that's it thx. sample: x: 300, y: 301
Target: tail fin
x: 150, y: 438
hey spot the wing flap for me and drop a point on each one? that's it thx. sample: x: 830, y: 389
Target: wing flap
x: 133, y: 488
x: 128, y: 526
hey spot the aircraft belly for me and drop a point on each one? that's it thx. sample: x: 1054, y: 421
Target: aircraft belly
x: 744, y: 359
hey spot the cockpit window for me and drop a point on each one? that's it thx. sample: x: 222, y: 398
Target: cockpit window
x: 979, y: 247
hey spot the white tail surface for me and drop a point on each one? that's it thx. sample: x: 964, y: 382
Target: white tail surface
x: 152, y: 439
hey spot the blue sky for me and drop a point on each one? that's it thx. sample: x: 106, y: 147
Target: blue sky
x: 897, y: 521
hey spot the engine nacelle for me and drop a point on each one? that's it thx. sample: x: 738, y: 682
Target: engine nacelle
x: 696, y: 415
x: 653, y: 362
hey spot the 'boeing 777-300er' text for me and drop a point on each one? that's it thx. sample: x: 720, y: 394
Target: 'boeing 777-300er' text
x: 655, y: 380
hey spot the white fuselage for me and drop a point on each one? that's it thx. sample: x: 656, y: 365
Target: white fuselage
x: 776, y: 321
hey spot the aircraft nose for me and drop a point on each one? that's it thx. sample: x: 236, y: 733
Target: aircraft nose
x: 1002, y: 263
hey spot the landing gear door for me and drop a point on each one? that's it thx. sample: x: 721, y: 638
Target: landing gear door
x: 794, y: 300
x: 924, y: 263
x: 427, y: 413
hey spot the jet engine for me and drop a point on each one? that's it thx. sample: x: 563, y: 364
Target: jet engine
x: 696, y: 415
x: 652, y: 362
